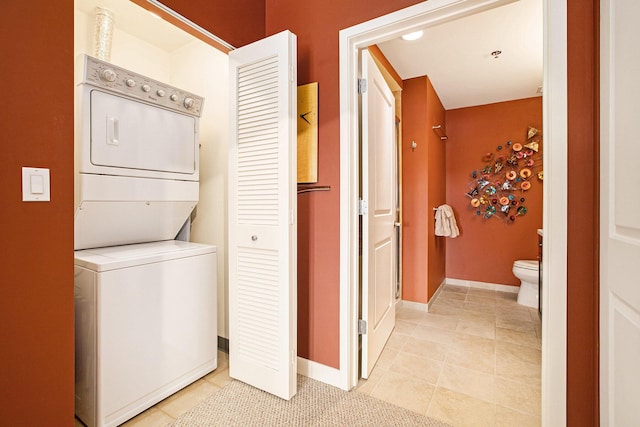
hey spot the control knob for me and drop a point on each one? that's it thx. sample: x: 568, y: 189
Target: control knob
x: 160, y: 92
x: 189, y: 103
x: 173, y: 97
x: 130, y: 82
x: 108, y: 75
x: 146, y: 88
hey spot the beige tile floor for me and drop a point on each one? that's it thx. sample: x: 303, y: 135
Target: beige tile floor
x: 473, y: 360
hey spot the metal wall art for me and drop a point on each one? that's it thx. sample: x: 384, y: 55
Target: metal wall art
x: 498, y: 188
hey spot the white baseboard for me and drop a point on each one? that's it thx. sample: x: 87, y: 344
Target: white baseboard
x: 435, y: 295
x: 319, y: 372
x: 483, y: 285
x: 414, y: 305
x: 420, y: 305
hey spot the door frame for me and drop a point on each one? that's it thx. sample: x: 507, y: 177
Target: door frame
x: 554, y: 299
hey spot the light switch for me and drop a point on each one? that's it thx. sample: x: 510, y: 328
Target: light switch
x: 35, y: 185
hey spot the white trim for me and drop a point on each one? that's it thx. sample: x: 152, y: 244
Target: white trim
x: 319, y: 372
x: 554, y: 216
x: 555, y: 197
x: 190, y: 23
x: 483, y: 285
x: 414, y: 305
x: 436, y: 293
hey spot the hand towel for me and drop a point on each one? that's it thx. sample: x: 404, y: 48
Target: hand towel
x: 445, y: 224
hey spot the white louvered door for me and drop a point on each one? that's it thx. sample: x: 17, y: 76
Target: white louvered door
x: 262, y: 215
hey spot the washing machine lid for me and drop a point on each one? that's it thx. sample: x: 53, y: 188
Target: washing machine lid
x: 117, y: 257
x: 528, y: 264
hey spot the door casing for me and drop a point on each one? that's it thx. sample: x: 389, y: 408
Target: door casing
x: 555, y: 198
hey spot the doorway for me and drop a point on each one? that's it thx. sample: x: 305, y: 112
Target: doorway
x: 554, y: 215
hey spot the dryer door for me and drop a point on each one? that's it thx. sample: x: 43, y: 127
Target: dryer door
x: 130, y: 135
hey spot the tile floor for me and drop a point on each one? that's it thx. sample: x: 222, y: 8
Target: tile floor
x: 473, y: 360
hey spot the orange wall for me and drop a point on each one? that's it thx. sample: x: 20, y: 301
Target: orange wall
x: 238, y: 22
x: 317, y: 26
x: 36, y: 262
x: 486, y: 248
x: 423, y: 254
x: 583, y: 204
x: 436, y: 189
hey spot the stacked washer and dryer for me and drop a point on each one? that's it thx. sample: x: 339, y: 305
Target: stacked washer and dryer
x: 145, y: 303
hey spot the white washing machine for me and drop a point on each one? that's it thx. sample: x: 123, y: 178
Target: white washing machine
x: 146, y: 326
x: 145, y: 304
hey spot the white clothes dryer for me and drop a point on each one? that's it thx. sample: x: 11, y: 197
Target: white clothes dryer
x: 136, y: 157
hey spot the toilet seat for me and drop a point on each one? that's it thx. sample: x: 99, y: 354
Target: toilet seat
x: 528, y: 264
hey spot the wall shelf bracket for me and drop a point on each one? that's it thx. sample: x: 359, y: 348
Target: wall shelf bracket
x: 440, y: 131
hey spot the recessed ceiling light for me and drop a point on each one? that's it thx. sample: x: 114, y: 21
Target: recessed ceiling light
x: 413, y: 36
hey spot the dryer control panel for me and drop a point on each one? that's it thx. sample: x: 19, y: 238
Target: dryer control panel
x: 122, y: 81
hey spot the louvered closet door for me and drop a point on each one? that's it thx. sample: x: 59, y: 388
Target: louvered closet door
x: 262, y: 215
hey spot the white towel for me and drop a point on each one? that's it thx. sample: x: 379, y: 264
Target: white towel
x: 446, y: 222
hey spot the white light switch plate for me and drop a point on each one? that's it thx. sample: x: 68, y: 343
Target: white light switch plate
x: 35, y: 185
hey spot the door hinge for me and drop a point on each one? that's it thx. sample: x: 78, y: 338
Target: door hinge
x: 362, y: 327
x: 362, y: 85
x: 363, y: 207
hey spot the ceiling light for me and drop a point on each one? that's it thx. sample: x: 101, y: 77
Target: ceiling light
x: 413, y: 36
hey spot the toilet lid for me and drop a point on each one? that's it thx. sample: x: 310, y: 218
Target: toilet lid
x: 529, y: 264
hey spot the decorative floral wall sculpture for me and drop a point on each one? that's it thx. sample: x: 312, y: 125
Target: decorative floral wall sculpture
x: 499, y: 187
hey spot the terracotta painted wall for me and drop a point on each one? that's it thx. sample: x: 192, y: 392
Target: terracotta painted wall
x: 583, y: 204
x: 423, y: 259
x: 238, y: 22
x: 486, y: 248
x: 317, y: 26
x: 436, y: 190
x: 36, y: 262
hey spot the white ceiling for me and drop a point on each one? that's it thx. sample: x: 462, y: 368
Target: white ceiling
x: 457, y: 56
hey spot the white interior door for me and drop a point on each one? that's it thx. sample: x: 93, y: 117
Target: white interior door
x: 620, y: 214
x: 379, y: 186
x: 262, y: 215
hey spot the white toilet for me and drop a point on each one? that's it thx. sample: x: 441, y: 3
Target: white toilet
x: 527, y: 271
